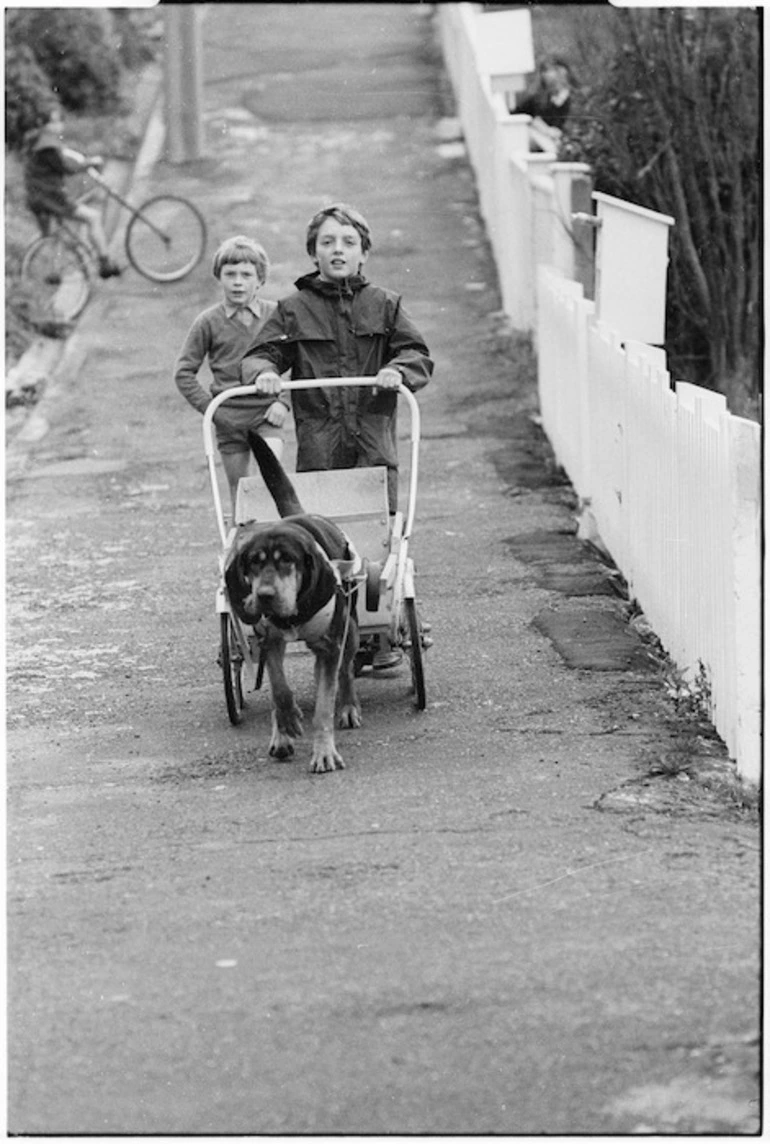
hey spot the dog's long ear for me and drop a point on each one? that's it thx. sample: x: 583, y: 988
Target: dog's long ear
x: 274, y: 475
x: 237, y: 586
x: 318, y: 580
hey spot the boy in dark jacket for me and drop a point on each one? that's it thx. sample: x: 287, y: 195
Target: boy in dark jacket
x: 338, y: 324
x: 47, y: 164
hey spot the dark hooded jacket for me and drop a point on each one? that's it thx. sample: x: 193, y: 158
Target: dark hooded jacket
x: 347, y: 329
x: 46, y: 166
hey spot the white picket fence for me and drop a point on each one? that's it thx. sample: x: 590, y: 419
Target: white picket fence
x: 670, y: 479
x: 672, y: 482
x: 525, y: 198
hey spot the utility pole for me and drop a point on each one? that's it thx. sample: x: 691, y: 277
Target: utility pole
x: 183, y: 80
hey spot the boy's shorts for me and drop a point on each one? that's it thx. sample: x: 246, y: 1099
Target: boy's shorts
x: 233, y: 425
x: 52, y: 201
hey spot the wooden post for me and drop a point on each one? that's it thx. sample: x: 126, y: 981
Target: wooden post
x: 183, y: 59
x: 632, y: 301
x: 583, y: 234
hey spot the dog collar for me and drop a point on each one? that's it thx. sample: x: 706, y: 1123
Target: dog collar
x: 329, y: 620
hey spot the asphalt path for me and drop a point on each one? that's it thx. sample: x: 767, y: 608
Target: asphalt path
x: 530, y: 909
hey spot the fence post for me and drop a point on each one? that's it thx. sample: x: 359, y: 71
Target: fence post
x: 511, y: 137
x: 745, y: 468
x: 629, y: 235
x: 569, y: 180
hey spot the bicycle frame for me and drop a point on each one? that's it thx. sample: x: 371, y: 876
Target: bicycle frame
x: 57, y: 223
x: 137, y: 211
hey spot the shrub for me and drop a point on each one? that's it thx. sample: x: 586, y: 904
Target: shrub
x: 75, y: 48
x: 673, y: 125
x: 138, y: 34
x: 28, y: 96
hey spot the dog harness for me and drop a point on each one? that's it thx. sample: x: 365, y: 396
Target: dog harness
x: 332, y: 618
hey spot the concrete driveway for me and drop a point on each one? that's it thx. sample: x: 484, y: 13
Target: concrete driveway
x: 531, y: 909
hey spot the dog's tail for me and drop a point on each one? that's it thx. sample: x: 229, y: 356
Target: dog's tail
x: 275, y: 477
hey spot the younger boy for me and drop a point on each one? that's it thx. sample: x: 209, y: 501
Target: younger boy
x: 338, y: 324
x: 222, y: 333
x: 46, y: 166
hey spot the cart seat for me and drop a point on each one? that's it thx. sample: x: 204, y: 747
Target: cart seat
x: 355, y: 499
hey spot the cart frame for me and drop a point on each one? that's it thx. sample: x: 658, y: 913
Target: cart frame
x: 240, y: 655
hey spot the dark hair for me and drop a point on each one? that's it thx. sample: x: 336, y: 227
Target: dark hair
x: 344, y: 214
x: 556, y: 62
x: 241, y: 249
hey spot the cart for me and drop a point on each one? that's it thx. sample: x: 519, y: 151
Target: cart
x: 357, y: 501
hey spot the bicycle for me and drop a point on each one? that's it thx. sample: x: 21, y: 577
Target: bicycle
x: 164, y: 240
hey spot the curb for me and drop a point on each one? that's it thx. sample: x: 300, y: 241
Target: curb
x: 70, y: 358
x: 48, y: 361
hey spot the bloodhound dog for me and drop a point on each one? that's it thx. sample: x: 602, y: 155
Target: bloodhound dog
x: 281, y: 578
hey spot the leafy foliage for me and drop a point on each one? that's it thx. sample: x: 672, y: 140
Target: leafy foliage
x: 673, y: 124
x: 72, y: 58
x: 76, y: 50
x: 28, y: 96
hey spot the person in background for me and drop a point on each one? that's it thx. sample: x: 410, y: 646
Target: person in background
x: 548, y: 103
x: 222, y: 333
x: 47, y: 163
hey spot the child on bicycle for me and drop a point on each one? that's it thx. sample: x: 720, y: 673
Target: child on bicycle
x: 222, y: 334
x: 338, y: 324
x: 47, y: 164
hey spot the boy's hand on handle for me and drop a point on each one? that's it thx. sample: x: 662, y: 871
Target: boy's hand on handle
x: 276, y: 414
x: 387, y: 378
x: 267, y: 383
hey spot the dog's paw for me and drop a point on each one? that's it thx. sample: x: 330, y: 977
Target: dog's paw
x: 349, y: 716
x: 281, y: 747
x: 325, y: 757
x: 287, y: 726
x: 287, y: 721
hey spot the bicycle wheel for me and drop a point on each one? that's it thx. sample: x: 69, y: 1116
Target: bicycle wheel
x: 231, y: 659
x: 165, y: 238
x: 55, y: 282
x: 415, y: 654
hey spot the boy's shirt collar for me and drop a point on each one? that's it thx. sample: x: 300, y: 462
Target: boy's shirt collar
x: 45, y: 138
x: 254, y: 305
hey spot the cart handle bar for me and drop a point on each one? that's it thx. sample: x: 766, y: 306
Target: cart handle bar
x: 312, y: 383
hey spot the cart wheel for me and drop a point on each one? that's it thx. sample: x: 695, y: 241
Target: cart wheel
x: 373, y: 573
x: 415, y: 654
x: 232, y: 666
